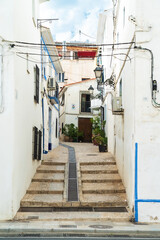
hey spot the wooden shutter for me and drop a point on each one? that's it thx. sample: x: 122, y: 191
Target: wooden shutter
x: 39, y: 144
x: 35, y: 142
x: 36, y: 97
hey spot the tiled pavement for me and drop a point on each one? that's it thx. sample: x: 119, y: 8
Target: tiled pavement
x: 99, y: 185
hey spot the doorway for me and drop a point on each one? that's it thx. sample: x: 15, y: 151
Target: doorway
x: 85, y: 126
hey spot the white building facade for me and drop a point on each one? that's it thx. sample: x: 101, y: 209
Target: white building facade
x: 76, y: 106
x: 133, y: 127
x: 22, y: 91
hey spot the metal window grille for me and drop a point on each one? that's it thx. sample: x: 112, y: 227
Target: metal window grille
x: 39, y: 144
x: 56, y: 128
x: 35, y: 142
x: 36, y: 96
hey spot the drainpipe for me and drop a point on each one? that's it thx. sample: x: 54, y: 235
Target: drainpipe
x: 153, y: 82
x: 1, y: 79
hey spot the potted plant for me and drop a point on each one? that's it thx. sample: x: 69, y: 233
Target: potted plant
x: 98, y: 134
x: 71, y: 133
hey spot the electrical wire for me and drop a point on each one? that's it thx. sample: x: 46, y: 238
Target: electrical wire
x: 45, y: 55
x: 69, y: 44
x: 80, y: 32
x: 35, y: 61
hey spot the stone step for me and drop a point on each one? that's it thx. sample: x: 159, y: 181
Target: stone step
x: 99, y: 171
x: 46, y: 188
x: 98, y: 163
x: 102, y: 188
x: 50, y: 169
x: 48, y: 177
x: 42, y: 200
x: 51, y: 163
x: 104, y: 200
x: 100, y: 178
x: 98, y: 167
x: 74, y: 216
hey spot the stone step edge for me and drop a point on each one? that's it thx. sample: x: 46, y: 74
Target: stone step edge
x: 101, y: 180
x: 53, y: 163
x: 99, y: 171
x: 103, y: 191
x: 49, y: 171
x: 69, y: 204
x: 109, y: 218
x: 44, y: 191
x: 47, y: 180
x: 97, y: 163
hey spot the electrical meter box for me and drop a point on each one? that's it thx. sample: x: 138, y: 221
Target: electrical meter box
x: 117, y: 105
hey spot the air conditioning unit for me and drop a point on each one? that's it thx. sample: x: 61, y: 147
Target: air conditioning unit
x: 117, y: 106
x: 51, y: 83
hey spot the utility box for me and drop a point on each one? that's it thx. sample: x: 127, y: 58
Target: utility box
x: 117, y: 106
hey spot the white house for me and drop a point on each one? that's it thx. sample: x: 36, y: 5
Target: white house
x: 75, y: 106
x: 24, y: 99
x: 133, y: 125
x: 51, y: 69
x: 78, y: 62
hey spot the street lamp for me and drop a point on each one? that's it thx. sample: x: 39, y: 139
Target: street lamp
x: 91, y: 89
x: 98, y: 73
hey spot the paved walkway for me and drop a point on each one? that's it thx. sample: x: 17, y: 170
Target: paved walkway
x: 101, y: 194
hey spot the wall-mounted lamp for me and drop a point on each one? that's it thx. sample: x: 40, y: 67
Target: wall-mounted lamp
x: 98, y: 73
x: 91, y: 89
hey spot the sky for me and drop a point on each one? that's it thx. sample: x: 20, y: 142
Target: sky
x: 77, y: 18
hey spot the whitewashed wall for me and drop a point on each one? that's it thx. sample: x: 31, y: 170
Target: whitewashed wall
x: 75, y: 70
x: 140, y: 122
x: 72, y: 96
x: 20, y: 112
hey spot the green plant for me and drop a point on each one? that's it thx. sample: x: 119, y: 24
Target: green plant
x: 98, y: 133
x: 101, y: 140
x: 71, y: 131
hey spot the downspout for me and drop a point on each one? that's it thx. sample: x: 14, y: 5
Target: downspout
x: 1, y: 79
x: 153, y: 82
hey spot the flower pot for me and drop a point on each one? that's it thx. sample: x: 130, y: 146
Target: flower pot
x: 102, y: 148
x: 66, y: 138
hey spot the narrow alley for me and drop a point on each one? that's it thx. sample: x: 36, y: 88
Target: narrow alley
x: 76, y: 183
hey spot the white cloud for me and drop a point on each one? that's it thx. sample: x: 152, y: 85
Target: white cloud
x: 83, y: 15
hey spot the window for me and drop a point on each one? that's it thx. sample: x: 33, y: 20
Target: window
x: 36, y: 81
x: 56, y: 128
x: 61, y: 77
x: 62, y: 128
x: 83, y: 79
x: 85, y: 103
x: 37, y: 143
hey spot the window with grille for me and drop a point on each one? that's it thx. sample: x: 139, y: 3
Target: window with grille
x: 36, y: 81
x: 37, y: 143
x: 85, y: 103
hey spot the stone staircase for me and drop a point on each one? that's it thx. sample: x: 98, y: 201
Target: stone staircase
x: 100, y: 190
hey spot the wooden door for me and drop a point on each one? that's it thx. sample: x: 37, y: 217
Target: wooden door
x: 85, y: 125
